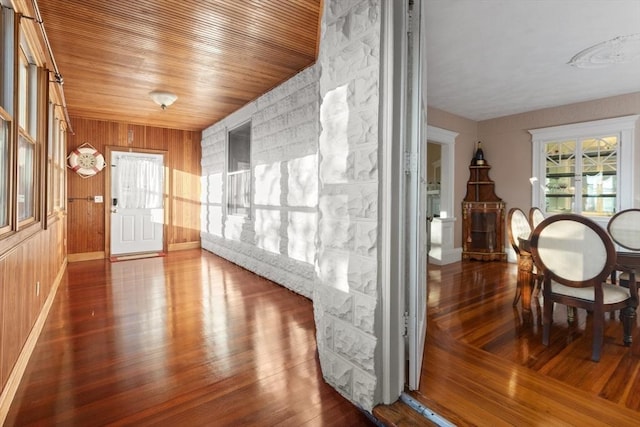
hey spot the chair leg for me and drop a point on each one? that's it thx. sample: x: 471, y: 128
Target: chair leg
x: 628, y: 315
x: 537, y: 287
x: 517, y: 297
x: 547, y: 318
x: 598, y: 335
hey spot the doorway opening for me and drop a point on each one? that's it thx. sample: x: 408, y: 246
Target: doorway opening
x: 440, y: 187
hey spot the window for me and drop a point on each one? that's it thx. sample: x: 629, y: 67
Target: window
x: 23, y: 91
x: 26, y: 171
x: 6, y: 111
x: 56, y: 172
x: 584, y: 168
x: 7, y: 58
x: 27, y: 121
x: 239, y: 171
x: 61, y: 144
x: 4, y: 172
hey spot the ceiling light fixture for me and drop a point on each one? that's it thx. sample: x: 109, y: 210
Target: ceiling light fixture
x: 620, y: 50
x: 162, y: 98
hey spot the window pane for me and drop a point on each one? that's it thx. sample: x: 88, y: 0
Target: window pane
x: 7, y: 59
x: 22, y: 92
x: 26, y: 179
x: 560, y: 176
x: 4, y: 173
x: 239, y: 171
x: 239, y: 189
x: 51, y: 167
x: 599, y: 175
x: 240, y: 148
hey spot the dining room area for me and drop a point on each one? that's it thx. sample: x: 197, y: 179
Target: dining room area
x: 502, y: 350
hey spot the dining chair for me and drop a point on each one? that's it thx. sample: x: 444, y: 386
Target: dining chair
x: 536, y: 216
x: 576, y: 256
x: 518, y: 225
x: 624, y: 229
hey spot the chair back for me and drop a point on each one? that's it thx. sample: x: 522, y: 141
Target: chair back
x: 518, y: 226
x: 573, y: 250
x: 624, y: 229
x: 535, y: 216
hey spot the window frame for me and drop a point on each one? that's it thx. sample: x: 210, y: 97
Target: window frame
x: 232, y: 173
x: 622, y: 127
x: 61, y: 129
x: 49, y: 159
x: 29, y: 128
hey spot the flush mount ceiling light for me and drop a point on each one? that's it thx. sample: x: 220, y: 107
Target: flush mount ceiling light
x: 621, y: 50
x: 162, y: 98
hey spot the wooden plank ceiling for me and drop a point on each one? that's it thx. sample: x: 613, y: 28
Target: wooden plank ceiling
x: 215, y: 55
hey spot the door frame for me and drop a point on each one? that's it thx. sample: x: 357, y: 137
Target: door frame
x: 401, y: 164
x: 107, y: 199
x: 416, y: 192
x: 391, y: 232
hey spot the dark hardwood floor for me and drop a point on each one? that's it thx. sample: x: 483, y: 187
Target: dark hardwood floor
x: 184, y: 340
x: 485, y: 364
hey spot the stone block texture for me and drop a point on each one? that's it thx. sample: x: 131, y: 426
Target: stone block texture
x: 346, y: 296
x: 278, y: 239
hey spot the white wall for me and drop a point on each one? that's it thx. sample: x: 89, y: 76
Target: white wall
x: 278, y: 241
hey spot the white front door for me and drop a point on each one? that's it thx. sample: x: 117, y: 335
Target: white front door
x: 137, y: 210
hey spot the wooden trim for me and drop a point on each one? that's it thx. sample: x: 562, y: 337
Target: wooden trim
x: 86, y: 256
x: 184, y: 246
x: 13, y: 381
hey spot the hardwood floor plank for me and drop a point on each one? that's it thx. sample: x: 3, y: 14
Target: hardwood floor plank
x: 187, y: 339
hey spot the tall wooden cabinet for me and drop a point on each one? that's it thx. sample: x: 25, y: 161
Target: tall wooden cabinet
x: 483, y: 218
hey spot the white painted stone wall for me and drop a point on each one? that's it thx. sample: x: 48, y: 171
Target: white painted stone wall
x: 346, y: 297
x: 314, y: 220
x: 278, y: 241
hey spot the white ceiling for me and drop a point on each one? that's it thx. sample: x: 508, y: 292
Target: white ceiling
x: 493, y: 58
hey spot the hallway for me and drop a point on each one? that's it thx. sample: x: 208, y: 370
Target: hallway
x: 186, y: 339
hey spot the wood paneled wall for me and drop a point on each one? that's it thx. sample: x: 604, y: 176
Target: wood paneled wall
x: 87, y: 226
x: 28, y: 274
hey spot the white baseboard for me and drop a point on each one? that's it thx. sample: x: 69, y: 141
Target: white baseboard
x: 439, y: 256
